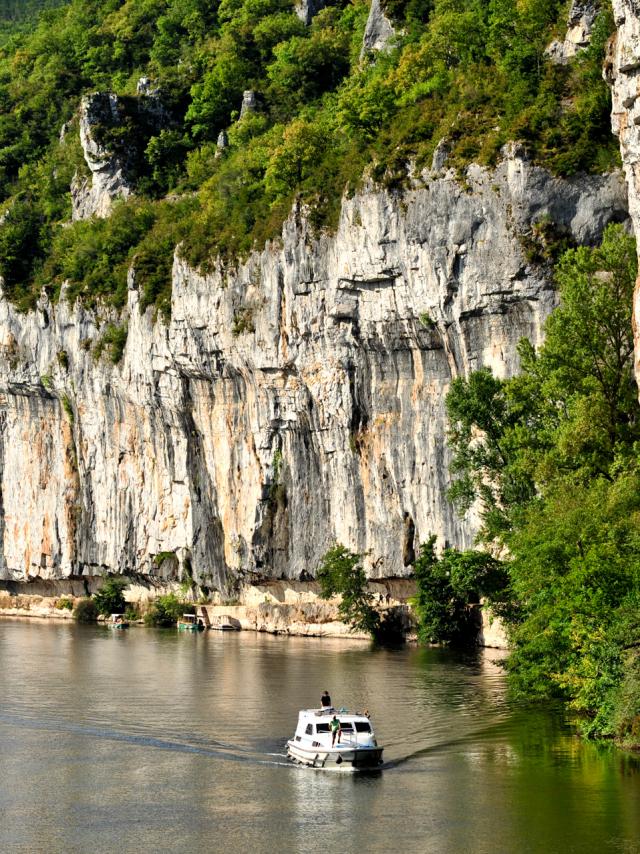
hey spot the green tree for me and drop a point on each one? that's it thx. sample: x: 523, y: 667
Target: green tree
x: 165, y: 611
x: 341, y: 573
x: 573, y: 407
x: 448, y: 588
x: 551, y: 456
x: 109, y: 599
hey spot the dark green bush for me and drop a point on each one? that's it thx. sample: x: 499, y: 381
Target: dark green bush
x: 86, y: 611
x: 165, y: 611
x: 109, y: 599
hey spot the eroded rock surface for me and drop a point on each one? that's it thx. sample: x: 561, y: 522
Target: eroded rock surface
x: 94, y: 196
x: 293, y: 401
x: 622, y: 71
x: 582, y: 16
x: 379, y: 30
x: 306, y: 10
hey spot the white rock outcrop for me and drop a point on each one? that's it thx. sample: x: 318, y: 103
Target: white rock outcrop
x: 582, y: 16
x: 379, y: 31
x: 292, y: 401
x: 622, y: 71
x: 94, y: 196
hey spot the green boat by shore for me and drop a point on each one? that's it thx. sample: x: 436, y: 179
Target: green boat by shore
x: 190, y: 623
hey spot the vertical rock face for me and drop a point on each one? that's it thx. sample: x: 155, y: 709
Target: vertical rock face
x: 379, y: 30
x: 582, y: 16
x: 306, y: 10
x: 249, y: 103
x: 94, y: 196
x: 622, y: 70
x: 295, y: 400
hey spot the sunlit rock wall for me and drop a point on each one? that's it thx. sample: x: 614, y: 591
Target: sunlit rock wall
x: 623, y: 73
x: 295, y: 400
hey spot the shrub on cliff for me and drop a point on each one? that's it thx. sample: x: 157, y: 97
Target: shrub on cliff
x: 165, y: 611
x: 473, y: 73
x: 86, y: 611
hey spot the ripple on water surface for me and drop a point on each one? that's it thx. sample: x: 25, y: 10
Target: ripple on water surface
x: 151, y: 740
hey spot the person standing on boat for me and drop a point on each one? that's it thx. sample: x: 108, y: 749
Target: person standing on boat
x: 336, y: 729
x: 325, y: 700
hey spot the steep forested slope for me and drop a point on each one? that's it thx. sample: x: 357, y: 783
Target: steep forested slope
x: 473, y: 73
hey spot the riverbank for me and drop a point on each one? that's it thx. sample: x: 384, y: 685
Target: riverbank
x: 278, y: 607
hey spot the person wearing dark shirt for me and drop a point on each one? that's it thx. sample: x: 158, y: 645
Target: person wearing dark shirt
x: 325, y: 700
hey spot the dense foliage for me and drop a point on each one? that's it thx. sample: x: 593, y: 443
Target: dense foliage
x: 341, y: 574
x: 165, y: 611
x: 109, y: 599
x: 449, y: 589
x: 473, y: 73
x: 86, y: 611
x: 551, y: 459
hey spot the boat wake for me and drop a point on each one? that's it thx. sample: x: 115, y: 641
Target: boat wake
x: 193, y: 744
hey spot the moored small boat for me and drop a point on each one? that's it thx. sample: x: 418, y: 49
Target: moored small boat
x: 118, y: 621
x: 225, y: 623
x: 353, y: 749
x: 190, y: 623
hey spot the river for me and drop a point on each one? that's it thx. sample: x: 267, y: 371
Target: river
x: 154, y: 741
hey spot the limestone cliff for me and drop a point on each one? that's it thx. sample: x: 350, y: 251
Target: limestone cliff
x: 293, y: 400
x: 623, y: 73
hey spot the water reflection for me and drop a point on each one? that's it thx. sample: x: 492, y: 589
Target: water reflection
x: 151, y: 741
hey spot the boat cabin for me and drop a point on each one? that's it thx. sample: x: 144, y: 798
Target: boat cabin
x: 314, y: 729
x: 191, y: 623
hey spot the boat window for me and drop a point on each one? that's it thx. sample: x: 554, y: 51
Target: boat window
x: 346, y: 725
x: 363, y: 726
x: 322, y: 727
x: 309, y: 729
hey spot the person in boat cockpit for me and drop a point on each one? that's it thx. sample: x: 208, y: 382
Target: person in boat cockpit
x: 325, y: 700
x: 336, y: 729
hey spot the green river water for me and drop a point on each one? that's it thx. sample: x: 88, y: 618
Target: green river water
x: 154, y: 741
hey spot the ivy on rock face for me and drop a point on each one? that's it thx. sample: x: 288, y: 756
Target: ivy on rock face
x: 474, y: 73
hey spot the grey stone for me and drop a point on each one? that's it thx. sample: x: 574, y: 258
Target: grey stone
x: 306, y: 10
x: 94, y: 196
x: 247, y: 452
x: 379, y: 31
x: 582, y: 16
x: 622, y: 72
x: 249, y: 103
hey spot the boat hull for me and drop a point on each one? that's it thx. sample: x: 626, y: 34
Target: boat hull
x: 349, y: 759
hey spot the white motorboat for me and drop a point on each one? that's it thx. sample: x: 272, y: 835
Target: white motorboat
x: 354, y: 748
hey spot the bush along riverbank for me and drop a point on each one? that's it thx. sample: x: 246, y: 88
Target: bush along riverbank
x: 275, y: 607
x: 550, y: 458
